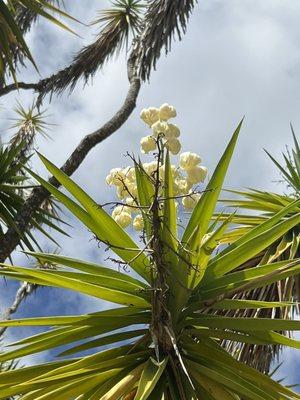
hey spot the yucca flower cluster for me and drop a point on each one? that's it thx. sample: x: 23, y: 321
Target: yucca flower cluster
x: 188, y: 173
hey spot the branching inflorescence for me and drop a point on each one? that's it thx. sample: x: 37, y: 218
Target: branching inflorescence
x: 164, y: 137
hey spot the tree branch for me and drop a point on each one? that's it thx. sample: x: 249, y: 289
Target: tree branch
x: 20, y: 85
x: 24, y: 290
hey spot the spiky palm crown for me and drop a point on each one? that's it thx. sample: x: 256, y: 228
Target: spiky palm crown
x: 15, y: 181
x: 166, y: 309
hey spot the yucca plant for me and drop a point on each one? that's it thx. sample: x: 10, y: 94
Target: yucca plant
x: 163, y: 341
x: 287, y: 247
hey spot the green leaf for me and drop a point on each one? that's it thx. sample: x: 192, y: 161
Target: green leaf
x: 242, y: 253
x: 124, y: 385
x: 105, y: 340
x: 149, y: 378
x: 244, y: 324
x: 205, y: 208
x: 233, y: 304
x: 261, y: 227
x: 145, y: 190
x: 210, y: 350
x: 89, y: 268
x: 77, y: 283
x: 260, y: 338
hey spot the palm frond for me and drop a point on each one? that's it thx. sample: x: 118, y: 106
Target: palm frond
x: 163, y: 20
x: 290, y: 171
x: 12, y: 39
x: 117, y: 24
x: 6, y: 367
x: 25, y: 18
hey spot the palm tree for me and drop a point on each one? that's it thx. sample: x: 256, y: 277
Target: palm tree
x: 163, y: 340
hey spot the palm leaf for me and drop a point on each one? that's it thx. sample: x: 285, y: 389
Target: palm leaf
x: 11, y: 34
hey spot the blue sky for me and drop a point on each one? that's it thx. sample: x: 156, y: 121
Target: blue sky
x: 238, y: 58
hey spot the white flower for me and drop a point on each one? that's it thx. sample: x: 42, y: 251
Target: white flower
x: 150, y: 115
x: 190, y: 201
x: 138, y: 223
x: 189, y: 160
x: 123, y: 219
x: 148, y: 143
x: 173, y: 145
x: 129, y: 174
x: 122, y: 215
x: 172, y: 132
x: 115, y: 177
x: 166, y: 112
x: 159, y: 128
x: 132, y: 188
x: 182, y: 185
x: 119, y: 210
x: 121, y: 192
x: 175, y: 172
x: 130, y: 201
x: 197, y: 174
x: 150, y: 167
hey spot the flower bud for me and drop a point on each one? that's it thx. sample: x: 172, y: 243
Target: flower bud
x: 205, y: 238
x: 130, y: 201
x: 150, y: 167
x: 172, y: 132
x: 197, y: 174
x: 129, y: 174
x: 159, y: 128
x: 189, y: 160
x: 182, y: 185
x: 119, y: 210
x: 121, y: 192
x: 115, y: 177
x: 131, y: 188
x: 166, y: 112
x: 123, y: 219
x: 138, y: 223
x: 173, y: 145
x: 148, y: 143
x: 189, y: 202
x: 150, y: 115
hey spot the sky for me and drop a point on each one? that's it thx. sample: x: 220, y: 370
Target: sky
x: 238, y: 58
